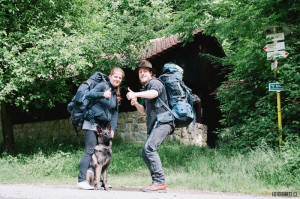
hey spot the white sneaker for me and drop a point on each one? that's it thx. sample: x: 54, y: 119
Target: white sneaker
x: 84, y: 185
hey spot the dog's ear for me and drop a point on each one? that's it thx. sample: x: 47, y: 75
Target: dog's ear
x: 99, y: 129
x: 108, y: 126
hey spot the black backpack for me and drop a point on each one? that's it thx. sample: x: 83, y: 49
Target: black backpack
x: 79, y: 105
x: 180, y: 97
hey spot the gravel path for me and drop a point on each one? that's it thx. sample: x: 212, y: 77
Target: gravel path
x: 21, y: 191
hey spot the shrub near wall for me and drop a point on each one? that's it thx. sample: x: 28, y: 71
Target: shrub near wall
x: 131, y: 128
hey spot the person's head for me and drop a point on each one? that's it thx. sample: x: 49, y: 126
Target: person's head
x: 116, y: 76
x: 145, y: 71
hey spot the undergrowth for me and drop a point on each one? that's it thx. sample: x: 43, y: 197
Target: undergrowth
x: 186, y: 167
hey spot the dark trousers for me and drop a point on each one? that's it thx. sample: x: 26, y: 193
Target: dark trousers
x: 150, y: 155
x: 90, y: 141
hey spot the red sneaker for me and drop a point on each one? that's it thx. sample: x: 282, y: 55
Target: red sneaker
x: 155, y: 187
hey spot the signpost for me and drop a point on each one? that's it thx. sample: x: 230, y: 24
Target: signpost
x: 274, y: 65
x: 276, y: 50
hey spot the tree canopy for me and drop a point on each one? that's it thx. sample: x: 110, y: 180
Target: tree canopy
x: 43, y: 42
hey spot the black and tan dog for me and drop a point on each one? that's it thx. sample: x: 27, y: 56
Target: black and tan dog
x: 100, y: 159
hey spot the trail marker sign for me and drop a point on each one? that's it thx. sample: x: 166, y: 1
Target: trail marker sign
x: 276, y: 36
x: 274, y: 47
x: 276, y: 54
x: 275, y: 87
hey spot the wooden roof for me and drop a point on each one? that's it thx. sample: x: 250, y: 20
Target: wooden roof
x: 159, y: 45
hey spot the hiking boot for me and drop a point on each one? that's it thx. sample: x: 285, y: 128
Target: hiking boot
x: 84, y: 185
x: 155, y: 187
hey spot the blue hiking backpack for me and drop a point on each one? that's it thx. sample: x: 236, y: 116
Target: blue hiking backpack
x: 180, y: 97
x: 79, y: 105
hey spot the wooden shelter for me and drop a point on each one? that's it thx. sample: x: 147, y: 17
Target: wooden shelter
x: 202, y: 76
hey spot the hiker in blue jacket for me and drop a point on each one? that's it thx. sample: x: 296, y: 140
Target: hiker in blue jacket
x: 106, y: 96
x: 156, y: 132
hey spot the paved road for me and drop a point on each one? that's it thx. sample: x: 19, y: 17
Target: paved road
x: 54, y: 192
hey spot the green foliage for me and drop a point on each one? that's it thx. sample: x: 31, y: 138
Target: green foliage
x: 37, y: 53
x: 43, y: 43
x: 291, y: 155
x: 249, y: 109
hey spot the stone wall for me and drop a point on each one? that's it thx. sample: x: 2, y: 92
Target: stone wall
x: 60, y: 130
x: 131, y: 128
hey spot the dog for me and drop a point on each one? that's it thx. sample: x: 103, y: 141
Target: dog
x: 100, y: 159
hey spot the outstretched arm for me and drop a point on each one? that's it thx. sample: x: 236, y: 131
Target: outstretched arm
x: 149, y: 94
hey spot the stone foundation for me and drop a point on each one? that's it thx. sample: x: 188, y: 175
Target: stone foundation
x: 131, y: 128
x: 190, y: 136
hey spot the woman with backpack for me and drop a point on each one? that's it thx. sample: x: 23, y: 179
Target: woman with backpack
x: 105, y: 97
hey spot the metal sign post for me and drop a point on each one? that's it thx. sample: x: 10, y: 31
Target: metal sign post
x: 276, y: 50
x: 278, y: 88
x: 279, y: 119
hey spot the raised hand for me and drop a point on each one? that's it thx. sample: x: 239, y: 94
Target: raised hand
x: 107, y: 94
x: 130, y: 95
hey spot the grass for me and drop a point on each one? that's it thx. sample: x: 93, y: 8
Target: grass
x: 186, y: 167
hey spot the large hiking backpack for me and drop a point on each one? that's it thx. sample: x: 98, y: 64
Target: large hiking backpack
x: 79, y: 105
x: 179, y: 95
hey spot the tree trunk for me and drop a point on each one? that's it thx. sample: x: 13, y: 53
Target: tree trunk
x: 7, y: 127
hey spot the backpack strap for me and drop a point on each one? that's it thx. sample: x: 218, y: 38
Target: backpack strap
x: 85, y: 92
x: 165, y: 105
x: 168, y: 109
x: 76, y: 134
x: 194, y: 112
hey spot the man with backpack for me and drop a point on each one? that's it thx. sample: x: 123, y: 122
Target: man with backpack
x: 156, y: 131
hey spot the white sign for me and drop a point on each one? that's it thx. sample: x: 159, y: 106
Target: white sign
x: 274, y: 46
x: 276, y: 36
x: 275, y: 54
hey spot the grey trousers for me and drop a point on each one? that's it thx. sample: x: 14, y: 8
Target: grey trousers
x: 90, y: 141
x: 150, y: 155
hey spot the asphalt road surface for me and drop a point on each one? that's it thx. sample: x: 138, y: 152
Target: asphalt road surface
x: 21, y: 191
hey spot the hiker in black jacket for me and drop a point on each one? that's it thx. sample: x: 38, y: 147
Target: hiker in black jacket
x: 156, y: 131
x: 106, y: 99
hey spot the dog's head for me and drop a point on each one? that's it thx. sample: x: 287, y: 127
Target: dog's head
x: 104, y: 135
